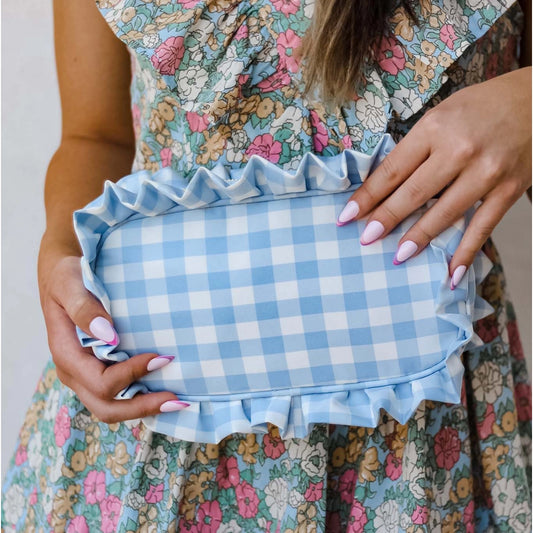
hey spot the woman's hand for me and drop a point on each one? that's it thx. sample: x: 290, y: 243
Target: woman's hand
x: 67, y: 303
x: 477, y: 141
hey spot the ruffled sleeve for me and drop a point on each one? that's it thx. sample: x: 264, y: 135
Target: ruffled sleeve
x: 413, y: 60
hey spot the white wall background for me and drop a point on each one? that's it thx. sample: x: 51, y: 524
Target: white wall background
x: 30, y: 134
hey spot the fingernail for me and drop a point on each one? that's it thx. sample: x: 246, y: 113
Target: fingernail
x: 158, y: 362
x: 351, y: 209
x: 103, y: 330
x: 373, y: 230
x: 173, y: 405
x: 405, y: 251
x: 457, y: 276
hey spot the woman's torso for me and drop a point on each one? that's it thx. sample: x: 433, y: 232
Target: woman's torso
x: 214, y: 82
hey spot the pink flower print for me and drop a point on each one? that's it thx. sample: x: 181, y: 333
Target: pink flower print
x: 33, y: 496
x: 347, y: 142
x: 447, y: 35
x: 241, y: 33
x: 197, y: 123
x: 314, y: 492
x: 468, y: 517
x: 320, y: 136
x: 110, y: 510
x: 168, y: 55
x: 166, y: 157
x: 209, y: 517
x: 247, y: 500
x: 273, y: 446
x: 188, y: 3
x: 154, y: 493
x: 62, y: 426
x: 227, y: 472
x: 393, y: 466
x: 484, y: 427
x: 522, y: 394
x: 265, y: 146
x: 357, y: 519
x: 347, y: 485
x: 94, y: 487
x: 136, y: 431
x: 390, y: 56
x: 514, y: 336
x: 78, y: 525
x: 287, y: 7
x: 278, y: 80
x: 447, y: 447
x: 21, y: 456
x: 286, y: 44
x: 420, y: 515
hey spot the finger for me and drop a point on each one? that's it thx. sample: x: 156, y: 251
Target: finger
x: 399, y: 164
x: 482, y: 224
x: 84, y: 368
x: 83, y: 308
x: 463, y: 193
x: 141, y: 405
x: 425, y: 182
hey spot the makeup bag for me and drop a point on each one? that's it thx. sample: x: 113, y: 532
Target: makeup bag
x: 273, y: 312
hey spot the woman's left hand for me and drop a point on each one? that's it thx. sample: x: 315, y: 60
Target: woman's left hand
x: 479, y: 138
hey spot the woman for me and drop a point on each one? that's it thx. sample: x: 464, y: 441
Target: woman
x: 218, y: 82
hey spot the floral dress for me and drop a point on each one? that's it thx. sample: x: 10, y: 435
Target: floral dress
x: 216, y: 81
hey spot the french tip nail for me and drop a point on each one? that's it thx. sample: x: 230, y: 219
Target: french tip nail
x: 372, y: 232
x: 457, y: 276
x: 102, y: 329
x: 159, y: 362
x: 350, y: 211
x: 173, y: 405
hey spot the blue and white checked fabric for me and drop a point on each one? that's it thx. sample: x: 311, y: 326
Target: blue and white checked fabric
x: 274, y: 313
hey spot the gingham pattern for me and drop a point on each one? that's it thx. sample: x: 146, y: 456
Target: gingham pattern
x: 273, y: 312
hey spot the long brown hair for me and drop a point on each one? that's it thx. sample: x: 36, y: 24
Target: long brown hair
x: 343, y: 36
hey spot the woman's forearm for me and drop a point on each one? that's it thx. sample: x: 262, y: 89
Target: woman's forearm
x: 75, y: 176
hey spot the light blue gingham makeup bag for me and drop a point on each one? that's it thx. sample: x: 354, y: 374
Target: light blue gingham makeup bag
x: 274, y: 313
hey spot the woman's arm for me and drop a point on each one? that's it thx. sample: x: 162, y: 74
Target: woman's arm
x: 97, y: 143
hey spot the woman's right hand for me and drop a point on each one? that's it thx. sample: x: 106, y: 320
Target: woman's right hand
x: 66, y: 303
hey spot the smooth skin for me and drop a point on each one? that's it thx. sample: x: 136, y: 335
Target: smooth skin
x: 475, y: 144
x: 97, y: 143
x: 477, y: 141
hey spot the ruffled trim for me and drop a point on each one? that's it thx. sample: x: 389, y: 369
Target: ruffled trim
x: 209, y: 419
x: 295, y: 415
x: 446, y: 30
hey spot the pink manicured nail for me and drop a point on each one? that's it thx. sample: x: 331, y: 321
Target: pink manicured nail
x: 373, y: 230
x: 350, y: 211
x: 103, y: 330
x: 159, y: 362
x: 173, y: 405
x: 405, y: 251
x: 457, y: 276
